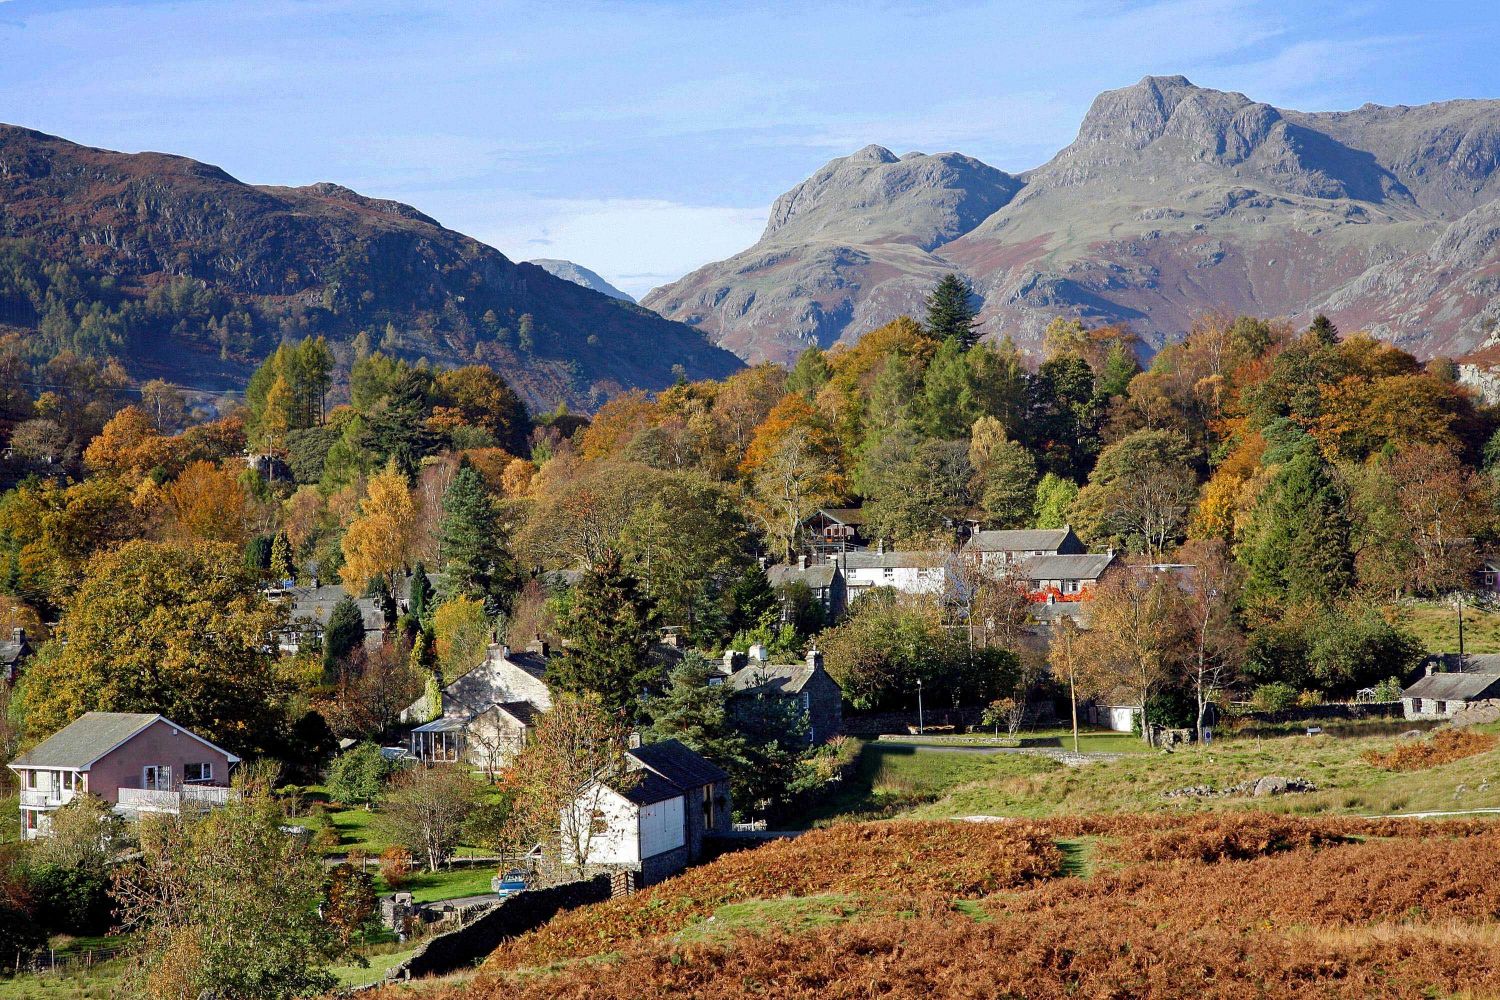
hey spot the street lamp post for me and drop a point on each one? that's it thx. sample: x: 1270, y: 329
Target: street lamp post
x: 921, y: 729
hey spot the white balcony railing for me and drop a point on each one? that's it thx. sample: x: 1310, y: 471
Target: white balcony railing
x: 193, y: 796
x: 46, y: 798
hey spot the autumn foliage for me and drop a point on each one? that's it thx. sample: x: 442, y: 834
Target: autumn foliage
x: 1443, y: 748
x: 1232, y: 906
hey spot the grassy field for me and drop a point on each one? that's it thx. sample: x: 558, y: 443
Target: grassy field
x: 1436, y: 625
x: 1346, y: 782
x: 454, y: 883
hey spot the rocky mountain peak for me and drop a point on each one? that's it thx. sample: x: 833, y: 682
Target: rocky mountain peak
x: 873, y: 195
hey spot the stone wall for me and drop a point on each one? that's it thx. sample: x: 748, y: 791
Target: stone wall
x: 463, y: 948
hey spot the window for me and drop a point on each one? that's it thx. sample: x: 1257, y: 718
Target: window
x: 31, y: 779
x: 1416, y: 704
x: 31, y: 818
x: 1442, y: 707
x: 890, y: 574
x: 156, y: 777
x: 708, y: 807
x: 198, y: 772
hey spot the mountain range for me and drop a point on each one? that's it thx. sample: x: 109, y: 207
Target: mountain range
x: 1174, y: 200
x: 187, y: 273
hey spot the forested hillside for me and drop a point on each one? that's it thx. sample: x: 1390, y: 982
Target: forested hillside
x: 186, y: 273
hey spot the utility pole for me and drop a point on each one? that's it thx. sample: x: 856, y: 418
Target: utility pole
x: 921, y: 729
x: 1459, y: 600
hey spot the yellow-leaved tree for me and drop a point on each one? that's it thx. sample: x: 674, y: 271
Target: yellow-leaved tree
x: 379, y: 540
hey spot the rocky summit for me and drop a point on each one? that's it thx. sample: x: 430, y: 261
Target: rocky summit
x: 1173, y: 200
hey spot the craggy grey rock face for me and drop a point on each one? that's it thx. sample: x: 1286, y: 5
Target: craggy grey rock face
x: 1174, y: 200
x: 580, y: 275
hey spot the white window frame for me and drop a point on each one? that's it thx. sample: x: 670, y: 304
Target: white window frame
x: 157, y: 777
x: 205, y: 774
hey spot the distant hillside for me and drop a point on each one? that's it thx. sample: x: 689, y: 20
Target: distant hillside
x: 1173, y: 200
x: 580, y: 275
x: 185, y: 272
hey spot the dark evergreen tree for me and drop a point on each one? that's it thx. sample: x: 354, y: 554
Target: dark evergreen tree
x: 258, y: 553
x: 608, y: 638
x: 695, y: 711
x: 749, y: 600
x: 1299, y: 547
x: 475, y: 562
x: 421, y: 593
x: 345, y: 631
x: 398, y: 421
x: 810, y: 373
x: 1323, y: 329
x: 949, y: 312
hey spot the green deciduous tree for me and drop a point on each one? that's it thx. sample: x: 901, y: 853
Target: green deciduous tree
x: 358, y: 774
x: 224, y: 905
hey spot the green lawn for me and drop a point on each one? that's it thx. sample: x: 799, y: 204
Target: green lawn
x: 760, y: 916
x: 357, y: 975
x: 360, y: 829
x: 1436, y: 625
x: 102, y: 982
x: 454, y: 883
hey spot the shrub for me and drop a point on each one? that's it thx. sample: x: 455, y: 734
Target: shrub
x: 395, y: 866
x: 1274, y: 697
x: 1443, y: 748
x: 72, y: 900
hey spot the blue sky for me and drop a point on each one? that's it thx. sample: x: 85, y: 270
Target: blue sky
x: 645, y: 139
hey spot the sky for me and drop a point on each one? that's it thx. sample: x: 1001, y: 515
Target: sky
x: 644, y: 139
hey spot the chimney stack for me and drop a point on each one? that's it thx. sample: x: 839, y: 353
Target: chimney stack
x: 758, y: 653
x: 539, y: 646
x: 635, y: 739
x: 18, y: 634
x: 814, y: 659
x: 802, y: 561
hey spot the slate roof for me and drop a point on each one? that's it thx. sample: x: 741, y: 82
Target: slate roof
x: 523, y: 712
x: 1455, y: 687
x: 914, y: 559
x: 1019, y: 540
x: 89, y: 737
x: 816, y: 577
x: 1085, y: 567
x: 646, y: 787
x: 677, y: 764
x: 477, y: 689
x: 771, y: 678
x: 12, y: 650
x: 852, y: 516
x: 1473, y: 663
x: 317, y: 603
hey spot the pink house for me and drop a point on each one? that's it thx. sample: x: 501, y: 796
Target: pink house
x: 137, y: 762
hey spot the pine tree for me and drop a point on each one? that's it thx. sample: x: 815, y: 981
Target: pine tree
x: 696, y: 712
x: 1299, y: 548
x: 810, y: 373
x: 421, y: 593
x: 345, y: 631
x: 949, y: 313
x: 608, y: 638
x: 282, y: 567
x: 475, y: 562
x: 1323, y: 329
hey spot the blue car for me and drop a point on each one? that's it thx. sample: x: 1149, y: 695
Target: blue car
x: 508, y: 884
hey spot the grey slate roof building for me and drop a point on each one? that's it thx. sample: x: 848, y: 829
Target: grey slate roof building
x: 825, y: 580
x: 1443, y: 695
x: 676, y: 763
x: 1066, y: 574
x: 1020, y: 543
x: 806, y: 684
